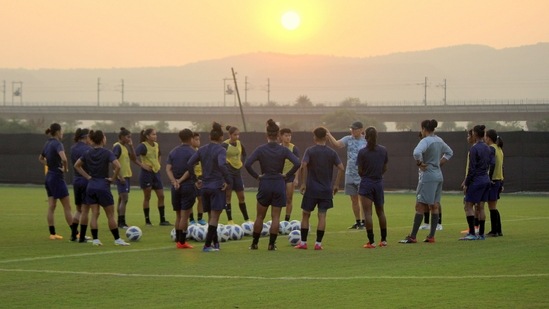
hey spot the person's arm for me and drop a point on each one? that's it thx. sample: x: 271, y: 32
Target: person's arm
x: 141, y: 151
x: 447, y: 154
x: 116, y: 166
x: 337, y: 143
x: 418, y: 154
x: 131, y: 151
x: 221, y: 162
x: 171, y: 177
x: 295, y: 161
x: 80, y: 170
x: 340, y: 172
x: 303, y: 175
x: 248, y: 165
x: 64, y: 161
x: 243, y: 155
x: 42, y: 159
x: 492, y: 162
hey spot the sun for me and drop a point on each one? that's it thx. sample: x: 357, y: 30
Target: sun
x: 290, y: 20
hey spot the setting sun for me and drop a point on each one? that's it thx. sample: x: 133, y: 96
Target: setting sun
x: 290, y: 20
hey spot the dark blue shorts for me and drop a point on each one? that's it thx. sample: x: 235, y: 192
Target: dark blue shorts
x: 272, y: 192
x: 79, y: 186
x: 290, y: 179
x: 235, y: 181
x: 123, y: 186
x: 99, y: 192
x: 495, y: 189
x: 56, y: 186
x: 184, y: 197
x: 213, y: 199
x: 372, y: 190
x: 309, y: 204
x: 150, y: 180
x: 477, y: 193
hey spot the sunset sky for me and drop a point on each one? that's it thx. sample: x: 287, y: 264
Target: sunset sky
x: 133, y: 33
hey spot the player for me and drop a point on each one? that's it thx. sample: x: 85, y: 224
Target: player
x: 272, y: 184
x: 291, y: 182
x: 198, y: 173
x: 215, y: 178
x: 372, y: 164
x: 353, y: 142
x: 236, y: 154
x: 79, y: 183
x: 496, y: 176
x: 124, y: 152
x: 183, y: 188
x: 430, y: 154
x: 318, y: 188
x: 471, y: 142
x: 477, y: 183
x: 98, y: 193
x: 149, y: 178
x: 53, y: 156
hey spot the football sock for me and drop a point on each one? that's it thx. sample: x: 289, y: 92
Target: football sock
x: 358, y: 222
x: 304, y: 234
x: 481, y: 227
x: 83, y: 228
x: 471, y: 224
x: 191, y: 217
x: 95, y: 233
x: 229, y: 211
x: 417, y: 222
x: 493, y: 223
x: 319, y: 236
x: 434, y: 223
x: 426, y: 217
x: 52, y: 229
x: 146, y: 212
x: 200, y: 214
x: 476, y: 221
x: 74, y: 230
x: 115, y: 233
x: 383, y: 234
x: 287, y: 218
x: 370, y: 233
x: 123, y: 220
x: 212, y: 229
x: 362, y: 223
x: 272, y: 238
x: 255, y: 238
x: 161, y: 212
x: 498, y: 222
x: 244, y: 211
x: 178, y: 235
x: 183, y: 237
x: 440, y: 214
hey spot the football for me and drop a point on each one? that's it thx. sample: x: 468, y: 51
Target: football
x: 248, y: 228
x: 294, y: 237
x: 223, y: 233
x: 295, y: 225
x: 265, y: 230
x: 133, y: 233
x: 190, y: 231
x: 199, y: 233
x: 284, y: 227
x: 236, y: 232
x: 173, y: 235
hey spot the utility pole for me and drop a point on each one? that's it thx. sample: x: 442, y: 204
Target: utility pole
x: 425, y: 94
x: 268, y: 91
x: 443, y: 87
x: 98, y: 91
x: 226, y: 90
x: 239, y: 102
x: 122, y: 91
x: 17, y: 92
x: 245, y: 89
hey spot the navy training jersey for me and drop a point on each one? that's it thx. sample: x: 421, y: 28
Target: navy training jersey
x: 51, y: 152
x: 371, y: 162
x: 178, y: 158
x: 321, y: 161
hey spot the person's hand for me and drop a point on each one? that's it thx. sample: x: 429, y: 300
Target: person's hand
x: 224, y: 186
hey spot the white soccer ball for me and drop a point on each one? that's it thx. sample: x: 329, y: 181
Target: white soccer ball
x: 284, y: 227
x: 248, y: 228
x: 269, y: 223
x: 173, y: 235
x: 199, y: 233
x: 295, y: 225
x: 294, y: 237
x: 133, y: 233
x: 265, y: 230
x: 190, y: 230
x: 223, y: 234
x: 236, y: 232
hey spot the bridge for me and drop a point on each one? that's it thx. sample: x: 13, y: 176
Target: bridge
x: 476, y: 112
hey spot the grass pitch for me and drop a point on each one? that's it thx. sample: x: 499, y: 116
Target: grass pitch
x: 505, y: 272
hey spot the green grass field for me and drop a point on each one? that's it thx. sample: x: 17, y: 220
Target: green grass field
x: 505, y: 272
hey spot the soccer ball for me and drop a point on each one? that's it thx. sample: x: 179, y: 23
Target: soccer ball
x: 236, y: 232
x: 133, y: 233
x: 284, y: 227
x: 199, y: 233
x: 173, y: 235
x: 295, y: 225
x: 265, y: 230
x: 294, y: 237
x: 223, y: 234
x: 269, y: 223
x: 190, y: 230
x: 248, y: 228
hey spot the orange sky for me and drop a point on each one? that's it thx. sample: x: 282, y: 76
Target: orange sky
x: 139, y: 33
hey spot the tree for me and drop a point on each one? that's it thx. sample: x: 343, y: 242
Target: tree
x: 340, y: 121
x: 500, y: 126
x: 448, y: 126
x: 351, y: 102
x: 542, y: 125
x: 16, y: 126
x: 303, y: 101
x: 406, y: 126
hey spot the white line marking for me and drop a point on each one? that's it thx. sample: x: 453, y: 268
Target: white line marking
x: 61, y: 272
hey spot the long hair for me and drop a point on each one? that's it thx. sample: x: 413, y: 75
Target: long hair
x: 272, y: 129
x: 429, y: 125
x: 96, y: 136
x: 123, y: 132
x: 479, y: 130
x: 144, y: 134
x: 493, y: 135
x: 371, y: 137
x: 217, y: 132
x: 53, y: 129
x: 80, y: 134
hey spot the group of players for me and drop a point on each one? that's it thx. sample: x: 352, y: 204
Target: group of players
x: 210, y: 173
